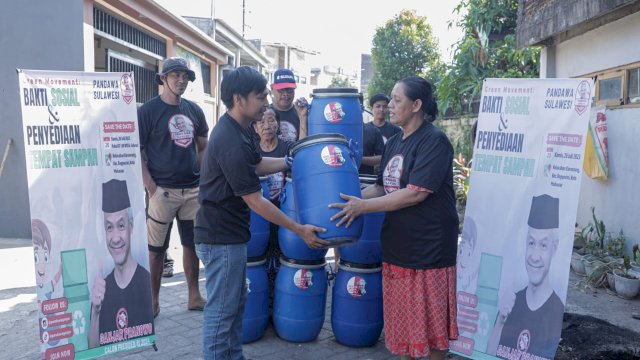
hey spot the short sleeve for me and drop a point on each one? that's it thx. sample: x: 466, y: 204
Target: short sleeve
x: 143, y: 125
x: 433, y: 161
x: 238, y: 166
x: 203, y: 127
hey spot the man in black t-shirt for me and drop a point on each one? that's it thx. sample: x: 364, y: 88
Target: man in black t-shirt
x: 378, y: 104
x: 229, y: 187
x: 530, y: 322
x: 122, y: 300
x: 292, y: 119
x: 372, y: 149
x: 173, y: 136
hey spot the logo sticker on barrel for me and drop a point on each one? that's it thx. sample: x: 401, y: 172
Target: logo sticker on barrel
x: 248, y: 285
x: 303, y: 279
x: 333, y: 112
x: 392, y: 174
x: 332, y: 156
x: 356, y: 286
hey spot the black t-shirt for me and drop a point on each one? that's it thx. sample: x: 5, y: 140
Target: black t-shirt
x: 387, y: 130
x: 228, y: 173
x: 168, y: 135
x: 289, y: 124
x: 532, y: 332
x: 373, y: 144
x: 424, y: 235
x: 126, y: 308
x: 275, y: 182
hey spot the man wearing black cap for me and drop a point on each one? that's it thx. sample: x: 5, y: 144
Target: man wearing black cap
x: 530, y: 321
x: 378, y: 104
x: 293, y: 119
x: 173, y: 137
x: 121, y: 300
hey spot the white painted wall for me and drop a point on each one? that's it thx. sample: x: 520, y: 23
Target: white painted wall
x: 617, y: 200
x: 608, y: 46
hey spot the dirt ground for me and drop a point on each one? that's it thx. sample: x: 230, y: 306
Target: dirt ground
x: 586, y: 338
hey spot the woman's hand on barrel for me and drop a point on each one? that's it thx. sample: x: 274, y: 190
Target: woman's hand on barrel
x: 308, y: 234
x: 349, y: 210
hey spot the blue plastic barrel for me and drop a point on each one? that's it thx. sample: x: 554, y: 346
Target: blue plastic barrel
x: 259, y: 228
x: 337, y: 110
x: 367, y: 250
x: 322, y: 169
x: 256, y: 309
x: 356, y: 306
x: 292, y: 245
x: 300, y: 300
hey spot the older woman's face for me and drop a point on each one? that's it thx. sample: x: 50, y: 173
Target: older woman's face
x: 267, y: 127
x: 401, y: 108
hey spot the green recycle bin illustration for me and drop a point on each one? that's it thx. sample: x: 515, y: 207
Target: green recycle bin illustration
x: 74, y: 275
x: 487, y: 293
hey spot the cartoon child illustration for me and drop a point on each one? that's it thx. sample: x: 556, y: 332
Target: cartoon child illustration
x: 47, y: 285
x: 468, y: 264
x: 42, y: 258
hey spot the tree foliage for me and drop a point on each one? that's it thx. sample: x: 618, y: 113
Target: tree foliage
x: 404, y: 46
x: 486, y: 50
x: 340, y: 82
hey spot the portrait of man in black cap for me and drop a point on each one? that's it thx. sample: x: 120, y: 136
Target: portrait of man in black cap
x: 122, y: 299
x: 530, y: 321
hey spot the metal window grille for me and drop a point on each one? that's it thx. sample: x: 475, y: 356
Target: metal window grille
x: 143, y: 74
x: 117, y: 28
x: 206, y: 77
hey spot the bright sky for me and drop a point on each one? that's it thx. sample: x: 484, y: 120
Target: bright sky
x: 340, y: 30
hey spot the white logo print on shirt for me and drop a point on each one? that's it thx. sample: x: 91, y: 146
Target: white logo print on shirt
x: 181, y: 129
x: 392, y: 174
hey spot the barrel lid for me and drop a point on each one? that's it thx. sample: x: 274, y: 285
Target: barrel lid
x: 256, y: 260
x: 359, y: 268
x: 336, y: 92
x: 318, y: 139
x: 302, y: 264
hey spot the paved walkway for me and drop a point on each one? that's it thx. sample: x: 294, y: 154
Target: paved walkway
x: 179, y: 330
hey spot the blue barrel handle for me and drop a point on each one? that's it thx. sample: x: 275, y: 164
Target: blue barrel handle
x: 283, y: 196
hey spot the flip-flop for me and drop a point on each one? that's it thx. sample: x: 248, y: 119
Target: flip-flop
x: 155, y: 314
x: 635, y: 316
x: 196, y: 308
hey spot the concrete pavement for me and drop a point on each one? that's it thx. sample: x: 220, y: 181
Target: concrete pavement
x: 179, y: 330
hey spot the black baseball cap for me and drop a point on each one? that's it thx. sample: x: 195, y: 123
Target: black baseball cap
x: 175, y: 64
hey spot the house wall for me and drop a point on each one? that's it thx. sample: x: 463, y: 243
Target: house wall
x: 36, y: 34
x: 617, y: 200
x: 608, y: 46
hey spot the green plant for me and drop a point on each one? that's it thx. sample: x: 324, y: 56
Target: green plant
x: 615, y: 245
x: 595, y: 234
x: 635, y: 250
x: 461, y: 175
x: 627, y: 265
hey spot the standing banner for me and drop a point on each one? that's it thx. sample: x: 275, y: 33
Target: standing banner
x: 517, y: 238
x: 87, y: 213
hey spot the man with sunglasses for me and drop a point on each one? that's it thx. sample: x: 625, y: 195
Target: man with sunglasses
x: 293, y: 118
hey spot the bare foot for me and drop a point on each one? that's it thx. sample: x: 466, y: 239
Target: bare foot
x: 156, y: 310
x: 197, y: 304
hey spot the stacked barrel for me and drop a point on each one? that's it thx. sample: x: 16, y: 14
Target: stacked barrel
x: 256, y: 311
x: 325, y: 165
x: 356, y: 313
